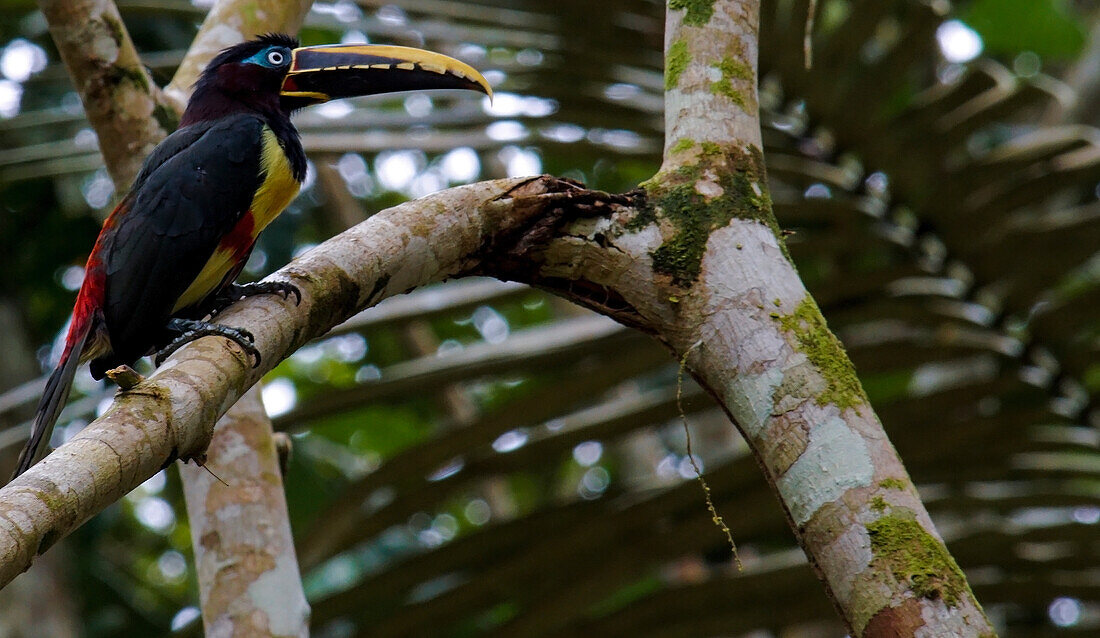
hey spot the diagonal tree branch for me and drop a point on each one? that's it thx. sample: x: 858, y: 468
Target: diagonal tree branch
x: 120, y: 99
x: 171, y: 414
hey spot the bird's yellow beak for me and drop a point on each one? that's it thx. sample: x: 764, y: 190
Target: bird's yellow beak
x: 328, y: 72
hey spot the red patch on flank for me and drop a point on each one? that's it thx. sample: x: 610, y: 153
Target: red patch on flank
x: 89, y: 300
x: 239, y: 240
x: 120, y: 210
x: 92, y: 293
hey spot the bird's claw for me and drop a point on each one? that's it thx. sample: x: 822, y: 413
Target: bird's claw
x: 190, y: 330
x: 281, y: 288
x: 235, y: 292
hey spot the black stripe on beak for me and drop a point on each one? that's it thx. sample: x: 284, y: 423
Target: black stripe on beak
x: 323, y: 73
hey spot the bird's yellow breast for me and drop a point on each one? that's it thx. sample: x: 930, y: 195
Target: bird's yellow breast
x: 276, y: 191
x: 279, y: 186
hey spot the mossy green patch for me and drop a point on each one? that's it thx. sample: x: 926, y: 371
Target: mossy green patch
x: 681, y: 145
x: 879, y: 504
x: 676, y: 60
x: 698, y: 13
x: 825, y: 352
x: 711, y: 148
x: 250, y: 12
x: 116, y: 29
x: 136, y: 77
x: 734, y: 69
x: 672, y: 197
x: 918, y: 558
x: 53, y: 501
x: 892, y: 484
x: 166, y: 116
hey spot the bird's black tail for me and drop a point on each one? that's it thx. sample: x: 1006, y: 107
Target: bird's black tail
x: 53, y: 400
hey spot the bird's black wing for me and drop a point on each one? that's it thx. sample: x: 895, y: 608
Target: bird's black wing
x: 193, y: 189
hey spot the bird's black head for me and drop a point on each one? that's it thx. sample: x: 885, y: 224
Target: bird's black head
x: 247, y: 76
x: 272, y: 76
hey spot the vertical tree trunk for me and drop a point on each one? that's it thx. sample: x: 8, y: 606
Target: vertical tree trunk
x: 700, y: 263
x: 249, y: 583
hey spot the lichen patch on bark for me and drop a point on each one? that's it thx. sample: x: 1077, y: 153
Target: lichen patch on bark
x: 835, y: 460
x: 752, y: 405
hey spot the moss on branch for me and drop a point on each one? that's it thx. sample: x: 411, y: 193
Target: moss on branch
x: 826, y: 353
x: 698, y: 12
x: 697, y: 199
x: 677, y: 59
x: 736, y: 83
x: 916, y: 557
x: 682, y: 144
x: 892, y: 483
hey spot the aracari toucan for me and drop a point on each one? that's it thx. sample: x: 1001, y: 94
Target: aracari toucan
x: 168, y: 254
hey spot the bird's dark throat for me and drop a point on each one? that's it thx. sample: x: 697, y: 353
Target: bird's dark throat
x: 211, y: 102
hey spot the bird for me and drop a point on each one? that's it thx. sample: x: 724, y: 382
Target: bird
x: 166, y: 258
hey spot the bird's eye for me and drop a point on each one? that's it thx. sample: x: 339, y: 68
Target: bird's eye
x: 276, y: 57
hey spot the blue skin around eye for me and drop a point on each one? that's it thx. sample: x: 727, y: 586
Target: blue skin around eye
x: 261, y: 57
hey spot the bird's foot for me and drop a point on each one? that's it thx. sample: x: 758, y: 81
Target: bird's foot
x: 235, y: 292
x: 190, y: 329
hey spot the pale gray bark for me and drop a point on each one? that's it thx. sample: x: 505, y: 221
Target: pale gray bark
x: 249, y: 584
